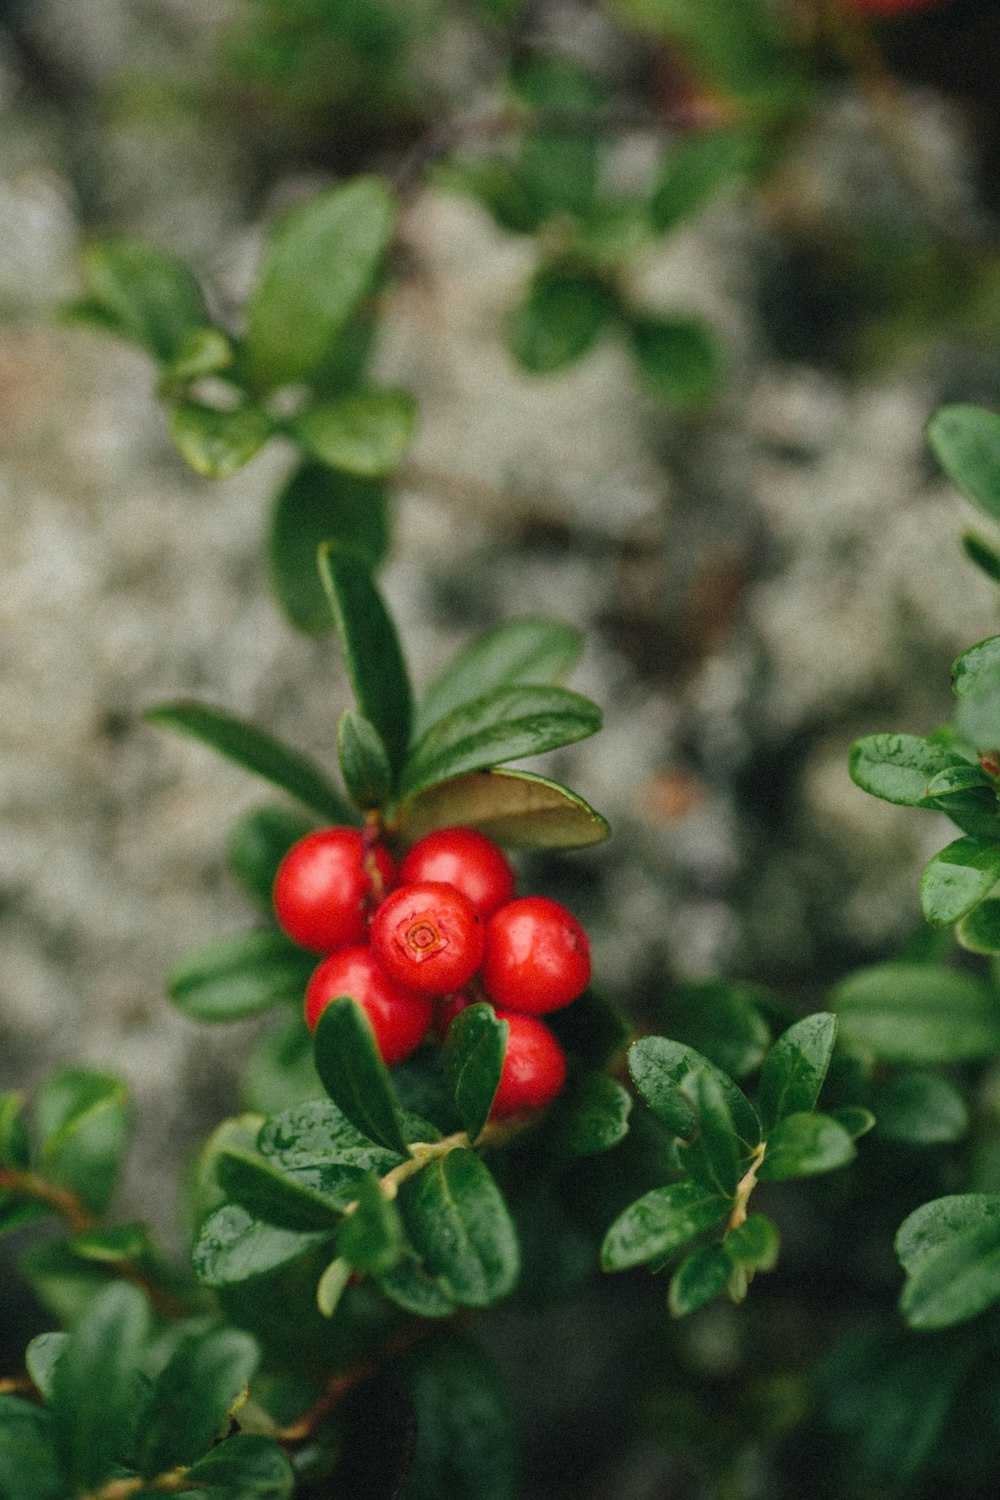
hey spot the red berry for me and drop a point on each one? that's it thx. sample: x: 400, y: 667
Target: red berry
x: 322, y: 892
x: 534, y: 1067
x: 428, y: 937
x: 537, y: 956
x: 400, y: 1018
x: 466, y: 859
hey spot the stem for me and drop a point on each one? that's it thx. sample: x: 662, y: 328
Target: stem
x: 745, y: 1187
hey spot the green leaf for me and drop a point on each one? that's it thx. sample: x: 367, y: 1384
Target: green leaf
x: 319, y: 505
x: 28, y: 1467
x: 985, y: 557
x: 950, y: 1249
x: 914, y: 1013
x: 558, y: 168
x: 372, y: 653
x: 257, y: 845
x: 267, y: 1193
x: 466, y: 1448
x: 737, y: 45
x: 699, y: 1279
x: 364, y: 761
x: 332, y: 1285
x: 473, y: 1058
x: 95, y: 1386
x: 40, y: 1359
x: 145, y: 294
x: 354, y: 1075
x: 82, y: 1119
x: 240, y: 975
x: 215, y: 442
x: 459, y: 1224
x: 15, y: 1150
x: 795, y: 1068
x: 957, y: 879
x: 190, y: 1400
x: 410, y: 1287
x: 966, y: 443
x: 530, y: 649
x: 240, y: 1131
x: 112, y: 1244
x: 245, y: 1467
x: 803, y: 1145
x: 503, y: 725
x: 660, y: 1066
x: 317, y: 1135
x: 856, y: 1120
x: 955, y: 779
x: 898, y: 767
x: 201, y: 351
x: 256, y: 751
x: 62, y: 1282
x: 659, y: 1223
x: 515, y: 808
x: 721, y: 1021
x: 321, y: 262
x: 591, y: 1115
x: 371, y: 1239
x: 713, y: 1156
x: 364, y: 433
x: 230, y: 1247
x: 560, y: 319
x: 754, y: 1244
x: 678, y: 360
x: 922, y: 1109
x: 977, y: 667
x: 697, y: 166
x: 979, y: 932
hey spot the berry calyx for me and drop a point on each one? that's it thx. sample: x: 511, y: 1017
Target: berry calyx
x: 466, y: 859
x: 322, y: 892
x: 400, y: 1018
x: 537, y: 956
x: 534, y: 1068
x: 427, y: 937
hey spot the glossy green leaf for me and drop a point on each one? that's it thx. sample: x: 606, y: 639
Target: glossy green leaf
x: 244, y: 1467
x: 145, y: 294
x: 410, y: 1286
x: 82, y: 1119
x: 216, y: 442
x: 514, y: 808
x: 190, y: 1400
x: 698, y: 1280
x: 795, y: 1068
x: 267, y: 1193
x: 559, y: 320
x: 372, y: 653
x: 803, y: 1145
x: 95, y: 1385
x: 529, y: 649
x: 719, y: 1020
x: 460, y: 1226
x: 466, y: 1447
x: 754, y: 1245
x: 966, y: 443
x: 40, y: 1359
x: 14, y: 1146
x: 201, y: 352
x: 661, y: 1222
x: 985, y: 557
x: 660, y: 1066
x: 259, y: 842
x: 256, y: 751
x: 897, y: 767
x: 240, y: 1131
x: 696, y: 167
x: 503, y: 725
x: 317, y: 505
x: 364, y: 761
x: 977, y: 667
x: 28, y: 1467
x: 922, y: 1109
x: 915, y: 1013
x: 591, y: 1115
x: 956, y: 779
x: 677, y: 359
x: 713, y: 1156
x: 230, y: 1247
x: 950, y: 1249
x: 958, y: 878
x: 322, y: 260
x: 371, y: 1239
x: 316, y: 1135
x: 856, y: 1120
x: 354, y: 1075
x: 979, y: 932
x: 364, y: 433
x: 240, y: 975
x: 473, y: 1058
x: 279, y: 1070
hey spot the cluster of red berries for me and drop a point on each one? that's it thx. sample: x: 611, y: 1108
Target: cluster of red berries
x: 415, y: 946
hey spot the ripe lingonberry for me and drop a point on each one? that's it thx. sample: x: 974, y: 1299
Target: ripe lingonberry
x: 534, y: 1067
x: 322, y: 891
x: 427, y: 937
x: 466, y: 859
x: 537, y: 956
x: 400, y: 1018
